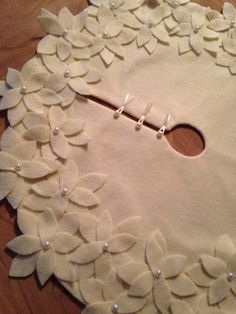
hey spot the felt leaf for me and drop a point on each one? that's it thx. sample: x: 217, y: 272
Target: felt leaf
x: 38, y: 133
x: 229, y: 45
x: 127, y: 304
x: 182, y: 286
x: 10, y: 99
x: 32, y: 119
x: 98, y: 46
x: 144, y: 36
x: 79, y: 68
x: 98, y: 308
x: 33, y: 169
x: 7, y: 182
x: 224, y: 248
x: 113, y: 28
x: 130, y: 226
x: 104, y: 226
x: 198, y: 276
x: 87, y: 227
x: 180, y: 307
x: 162, y: 295
x: 69, y: 176
x: 23, y: 266
x: 27, y: 222
x: 93, y: 76
x: 173, y: 265
x: 69, y: 223
x: 47, y: 45
x: 79, y: 86
x: 184, y: 29
x: 78, y: 39
x: 151, y: 46
x: 129, y: 272
x: 79, y: 139
x: 91, y: 290
x: 47, y: 188
x: 54, y: 64
x: 219, y: 25
x: 161, y: 34
x: 218, y: 291
x: 84, y: 197
x: 14, y: 78
x: 48, y: 97
x: 196, y: 42
x: 126, y: 36
x: 50, y: 25
x: 114, y: 46
x: 120, y: 242
x: 142, y: 285
x: 107, y: 56
x: 104, y: 16
x: 25, y: 244
x: 66, y: 18
x: 214, y: 266
x: 65, y: 243
x: 229, y: 11
x: 87, y: 253
x: 103, y: 266
x: 112, y: 286
x: 33, y: 103
x: 63, y: 268
x: 47, y: 226
x: 45, y: 265
x: 198, y: 17
x: 56, y: 82
x: 60, y: 145
x: 154, y: 254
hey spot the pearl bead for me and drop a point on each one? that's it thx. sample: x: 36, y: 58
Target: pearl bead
x: 158, y: 274
x: 105, y: 34
x: 196, y: 29
x: 176, y: 3
x: 232, y: 23
x: 106, y: 246
x: 46, y: 245
x: 113, y: 4
x: 151, y: 23
x: 65, y: 32
x: 23, y: 90
x: 114, y: 308
x: 67, y: 73
x: 230, y: 277
x: 56, y: 131
x: 18, y: 167
x: 64, y: 192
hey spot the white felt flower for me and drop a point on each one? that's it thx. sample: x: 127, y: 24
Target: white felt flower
x: 56, y: 130
x: 69, y: 187
x: 65, y: 32
x: 105, y: 31
x: 78, y: 75
x: 104, y: 240
x: 22, y: 89
x: 123, y: 5
x: 218, y: 273
x: 153, y: 30
x: 162, y: 274
x: 196, y: 36
x: 227, y: 21
x: 44, y: 246
x: 228, y: 58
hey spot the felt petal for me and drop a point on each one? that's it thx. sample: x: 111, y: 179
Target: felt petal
x: 212, y: 46
x: 127, y: 304
x: 129, y: 272
x: 224, y: 248
x: 67, y: 95
x: 214, y: 266
x: 69, y: 223
x: 80, y: 20
x: 25, y: 245
x: 69, y: 176
x: 196, y: 42
x: 65, y: 243
x: 45, y: 265
x: 154, y: 254
x: 104, y: 16
x: 79, y: 68
x: 184, y: 29
x: 129, y: 20
x: 182, y: 286
x: 132, y: 4
x: 56, y: 82
x: 170, y: 22
x: 27, y: 222
x: 209, y: 34
x: 114, y: 46
x: 47, y: 45
x: 92, y: 181
x: 7, y: 161
x: 126, y: 36
x: 19, y: 191
x: 93, y: 27
x: 113, y: 28
x: 47, y: 226
x: 160, y: 12
x: 84, y: 271
x: 198, y: 17
x: 107, y: 56
x: 73, y: 126
x: 64, y: 269
x: 33, y: 103
x: 50, y: 25
x: 198, y: 276
x: 173, y: 265
x: 151, y: 46
x: 16, y: 114
x: 56, y: 117
x: 121, y: 243
x: 23, y: 266
x: 3, y: 87
x: 79, y: 86
x: 78, y: 39
x: 162, y: 295
x: 32, y: 118
x: 38, y: 133
x: 60, y: 145
x: 87, y: 227
x: 93, y: 76
x: 130, y: 226
x: 45, y: 188
x: 82, y: 53
x: 46, y: 152
x: 232, y: 67
x: 34, y: 169
x: 98, y: 45
x: 229, y: 45
x: 10, y: 99
x: 98, y: 308
x: 49, y: 97
x: 36, y: 203
x: 25, y: 150
x: 232, y: 264
x: 58, y: 204
x: 14, y: 78
x: 161, y: 240
x: 229, y: 11
x: 91, y: 290
x: 7, y: 182
x: 144, y: 35
x: 181, y: 15
x: 84, y: 197
x: 54, y: 64
x: 66, y: 18
x: 103, y: 266
x: 87, y: 253
x: 142, y: 285
x: 9, y: 140
x: 104, y: 226
x: 79, y: 139
x: 36, y: 82
x: 112, y: 286
x: 180, y: 307
x: 161, y: 34
x: 219, y: 25
x: 218, y: 291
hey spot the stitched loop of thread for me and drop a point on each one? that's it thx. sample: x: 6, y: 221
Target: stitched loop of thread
x: 162, y: 130
x: 127, y: 101
x: 143, y: 117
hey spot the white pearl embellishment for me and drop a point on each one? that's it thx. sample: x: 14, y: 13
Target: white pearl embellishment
x: 113, y: 4
x: 67, y: 73
x: 106, y: 246
x: 230, y: 277
x: 65, y: 32
x: 158, y: 274
x: 114, y: 308
x: 105, y: 34
x: 23, y: 90
x: 18, y: 167
x: 46, y: 245
x: 64, y: 192
x: 56, y: 131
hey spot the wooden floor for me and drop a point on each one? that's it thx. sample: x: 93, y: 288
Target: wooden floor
x: 19, y: 35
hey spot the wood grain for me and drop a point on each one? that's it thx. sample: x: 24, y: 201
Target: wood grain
x: 19, y: 35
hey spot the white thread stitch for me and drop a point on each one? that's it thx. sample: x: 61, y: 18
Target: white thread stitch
x: 127, y: 101
x: 143, y: 117
x: 162, y: 130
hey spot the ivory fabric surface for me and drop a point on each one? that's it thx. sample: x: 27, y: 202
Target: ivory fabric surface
x: 124, y: 222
